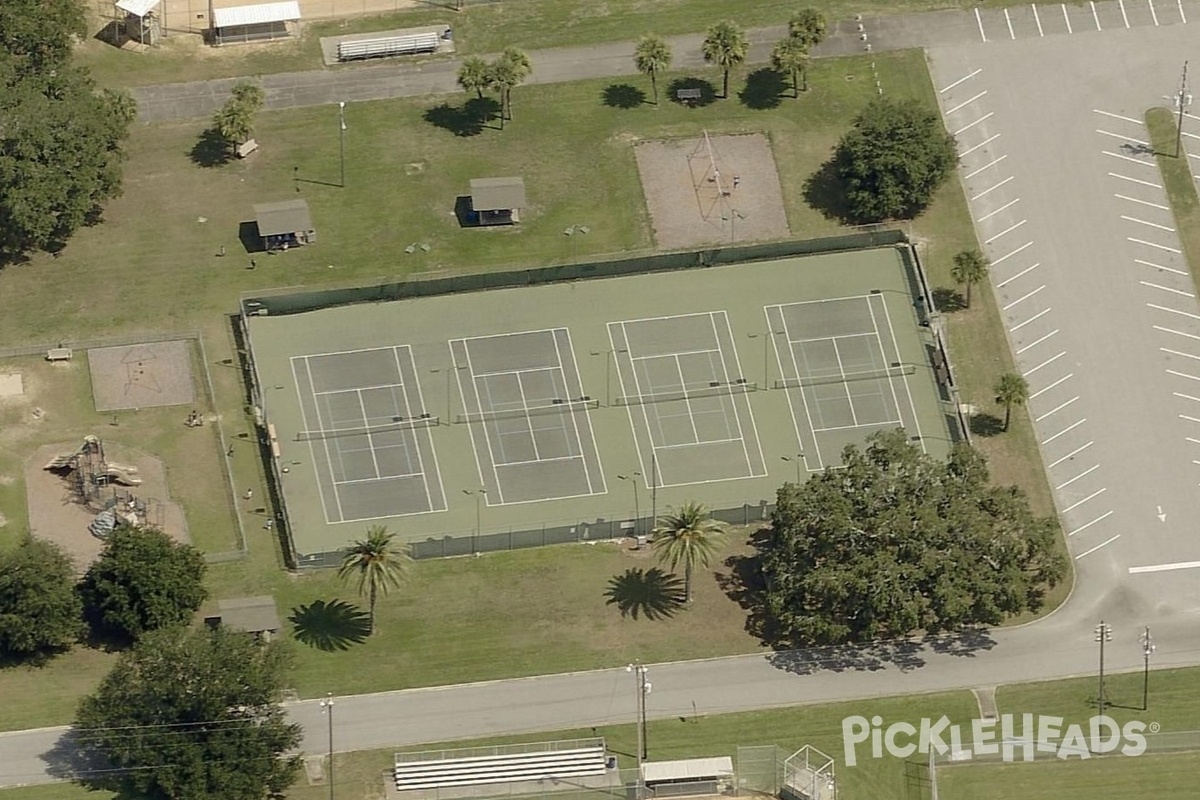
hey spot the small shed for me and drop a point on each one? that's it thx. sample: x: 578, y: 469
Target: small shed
x: 256, y: 615
x: 256, y: 23
x: 689, y: 777
x: 283, y: 225
x: 497, y: 201
x: 141, y: 23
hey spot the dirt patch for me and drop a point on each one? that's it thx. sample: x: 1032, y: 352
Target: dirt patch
x: 54, y: 514
x: 710, y: 191
x: 11, y: 385
x: 142, y: 375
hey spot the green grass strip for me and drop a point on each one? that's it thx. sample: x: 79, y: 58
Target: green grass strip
x: 1178, y: 181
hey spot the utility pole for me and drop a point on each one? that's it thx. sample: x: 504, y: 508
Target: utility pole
x: 1147, y: 651
x: 1183, y: 100
x: 653, y: 492
x: 642, y: 687
x: 1103, y: 636
x: 342, y: 139
x: 633, y: 478
x: 327, y: 704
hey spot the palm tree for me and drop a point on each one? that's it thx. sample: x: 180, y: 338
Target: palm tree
x: 808, y: 27
x: 234, y: 121
x: 689, y: 536
x: 970, y: 267
x: 473, y: 75
x: 506, y: 73
x: 378, y: 564
x: 652, y: 56
x: 1011, y: 390
x: 791, y: 56
x: 725, y: 46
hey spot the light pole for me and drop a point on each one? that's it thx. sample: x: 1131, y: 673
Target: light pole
x: 478, y: 494
x: 1182, y: 100
x: 1103, y: 636
x: 608, y: 356
x: 342, y: 139
x: 653, y: 492
x: 637, y: 511
x: 1147, y: 651
x: 766, y: 337
x: 641, y: 689
x: 797, y: 459
x: 327, y: 704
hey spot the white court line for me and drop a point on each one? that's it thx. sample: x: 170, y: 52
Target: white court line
x: 1124, y: 16
x: 991, y: 214
x: 966, y: 102
x: 1074, y: 452
x: 1117, y: 116
x: 1179, y: 353
x: 1152, y: 244
x: 997, y: 186
x: 1044, y: 363
x: 1153, y: 14
x: 1020, y: 325
x: 1059, y: 408
x: 973, y: 124
x: 1179, y: 333
x: 1159, y: 206
x: 991, y: 163
x: 1095, y: 16
x: 1129, y: 158
x: 1004, y: 283
x: 1087, y: 471
x: 988, y: 140
x: 963, y: 79
x: 1122, y: 137
x: 1067, y: 19
x: 1166, y: 289
x: 1158, y: 266
x: 1149, y: 224
x: 1032, y: 345
x: 1006, y: 230
x: 1007, y: 19
x: 1182, y: 375
x: 1072, y: 426
x: 1173, y: 311
x: 1013, y: 253
x: 1037, y: 19
x: 1182, y: 16
x: 1026, y: 297
x: 1165, y: 567
x: 1102, y: 544
x: 1135, y: 180
x: 1186, y: 396
x: 1078, y: 503
x: 979, y: 20
x: 1087, y: 525
x: 1051, y: 386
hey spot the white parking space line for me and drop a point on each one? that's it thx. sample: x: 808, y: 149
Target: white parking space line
x: 1158, y: 266
x: 1009, y: 229
x: 1124, y: 16
x: 1032, y: 345
x: 1122, y: 137
x: 1152, y: 244
x: 1153, y: 13
x: 1087, y: 525
x: 961, y: 80
x: 1174, y: 311
x: 1186, y: 396
x: 1166, y: 289
x: 1135, y: 180
x: 1165, y: 567
x: 1189, y: 419
x: 979, y: 20
x: 1190, y: 439
x: 1051, y: 386
x: 1085, y: 473
x: 1067, y: 19
x: 1129, y: 158
x: 1149, y: 224
x: 1177, y: 333
x: 988, y: 165
x: 1182, y: 16
x: 1071, y: 454
x: 1050, y: 360
x: 1118, y: 116
x: 1106, y: 541
x: 993, y: 188
x: 1004, y: 283
x: 1179, y: 353
x: 1095, y: 16
x: 1070, y: 427
x: 991, y: 214
x: 1036, y: 316
x: 988, y: 140
x: 1037, y: 19
x: 1159, y: 206
x: 1013, y: 253
x: 966, y: 102
x: 1178, y: 374
x: 1059, y: 408
x: 1007, y: 19
x: 973, y: 124
x: 1026, y: 297
x: 1077, y: 504
x: 1191, y: 135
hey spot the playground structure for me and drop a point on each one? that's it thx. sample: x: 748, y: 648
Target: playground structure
x: 93, y: 483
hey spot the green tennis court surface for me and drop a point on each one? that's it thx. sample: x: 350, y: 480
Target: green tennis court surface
x: 568, y: 411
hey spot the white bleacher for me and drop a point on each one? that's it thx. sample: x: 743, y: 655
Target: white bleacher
x: 477, y: 766
x: 388, y: 46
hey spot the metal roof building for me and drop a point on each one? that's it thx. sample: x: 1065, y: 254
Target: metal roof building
x: 260, y: 22
x: 497, y: 201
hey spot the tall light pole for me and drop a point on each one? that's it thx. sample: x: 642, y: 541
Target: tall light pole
x: 327, y: 704
x: 1182, y: 100
x: 342, y: 139
x: 653, y: 492
x: 478, y: 494
x: 608, y: 357
x: 637, y: 511
x: 799, y: 457
x: 642, y: 688
x: 1147, y: 651
x: 766, y: 337
x: 1103, y: 636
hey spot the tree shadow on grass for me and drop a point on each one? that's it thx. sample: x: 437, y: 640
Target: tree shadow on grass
x: 948, y: 300
x: 210, y: 150
x: 763, y: 90
x: 623, y: 95
x: 708, y: 92
x: 986, y: 425
x: 469, y: 119
x: 336, y: 625
x: 825, y: 192
x: 651, y: 593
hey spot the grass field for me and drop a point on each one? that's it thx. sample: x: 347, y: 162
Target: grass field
x: 1177, y: 180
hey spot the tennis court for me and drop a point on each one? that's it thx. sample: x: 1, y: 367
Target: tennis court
x: 528, y: 416
x: 686, y: 398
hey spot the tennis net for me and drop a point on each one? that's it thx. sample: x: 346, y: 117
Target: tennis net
x: 426, y: 421
x: 847, y: 377
x: 559, y: 408
x: 688, y: 394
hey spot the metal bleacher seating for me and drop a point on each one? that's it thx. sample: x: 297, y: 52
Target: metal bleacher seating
x: 477, y: 766
x: 388, y: 46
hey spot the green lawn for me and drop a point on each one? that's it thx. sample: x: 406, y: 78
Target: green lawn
x: 1177, y: 180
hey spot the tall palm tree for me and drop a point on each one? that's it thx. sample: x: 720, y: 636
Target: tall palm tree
x: 791, y: 56
x: 808, y: 27
x: 506, y: 73
x: 1011, y: 390
x: 473, y: 75
x: 652, y: 56
x: 689, y: 536
x: 970, y: 267
x: 378, y: 564
x: 725, y: 46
